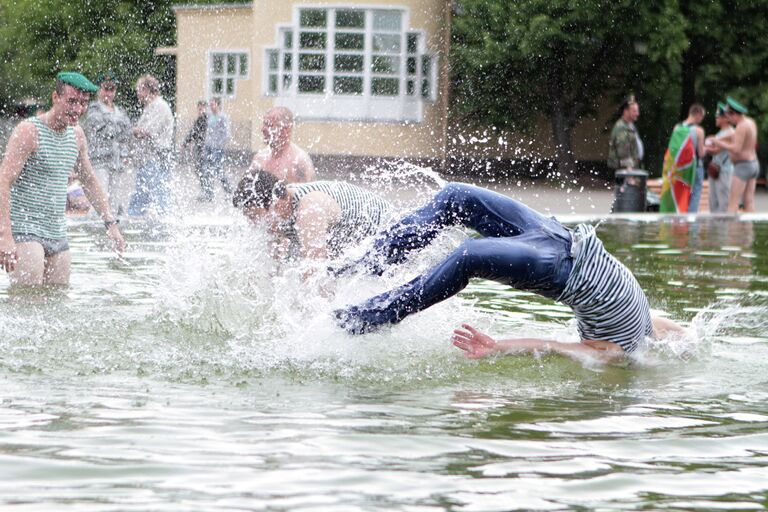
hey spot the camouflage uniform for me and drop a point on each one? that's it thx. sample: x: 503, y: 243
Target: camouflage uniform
x: 623, y: 152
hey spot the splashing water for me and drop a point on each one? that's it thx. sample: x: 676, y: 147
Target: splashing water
x: 202, y: 367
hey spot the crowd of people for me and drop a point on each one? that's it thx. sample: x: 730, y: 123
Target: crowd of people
x: 77, y: 157
x: 727, y: 159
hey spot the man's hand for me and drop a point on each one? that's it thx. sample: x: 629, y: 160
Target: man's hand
x: 8, y: 254
x: 118, y: 243
x: 474, y: 343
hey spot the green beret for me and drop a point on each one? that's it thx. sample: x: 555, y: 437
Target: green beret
x: 735, y: 106
x: 107, y: 76
x: 77, y: 81
x: 721, y: 108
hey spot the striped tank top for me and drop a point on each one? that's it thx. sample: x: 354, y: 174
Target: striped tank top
x: 39, y: 194
x: 362, y: 211
x: 606, y: 298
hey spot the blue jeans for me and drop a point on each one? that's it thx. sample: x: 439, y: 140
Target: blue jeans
x: 521, y: 248
x: 698, y: 184
x: 212, y: 170
x: 152, y: 187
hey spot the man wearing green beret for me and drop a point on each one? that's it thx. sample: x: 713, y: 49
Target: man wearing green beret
x: 41, y: 153
x: 720, y: 168
x: 742, y: 150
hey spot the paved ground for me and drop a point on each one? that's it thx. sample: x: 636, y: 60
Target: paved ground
x: 555, y: 200
x: 544, y: 197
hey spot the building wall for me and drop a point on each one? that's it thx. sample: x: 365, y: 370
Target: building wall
x: 255, y: 27
x: 390, y: 139
x: 200, y: 30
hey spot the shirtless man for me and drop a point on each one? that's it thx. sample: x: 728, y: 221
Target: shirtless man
x: 741, y: 147
x: 283, y: 159
x: 41, y: 153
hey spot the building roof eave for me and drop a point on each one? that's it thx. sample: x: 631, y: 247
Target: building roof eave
x: 166, y: 50
x: 210, y: 7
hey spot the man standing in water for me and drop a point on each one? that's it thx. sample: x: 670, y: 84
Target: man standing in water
x: 155, y: 132
x: 283, y: 159
x: 108, y: 128
x: 742, y: 149
x: 40, y: 155
x: 520, y: 248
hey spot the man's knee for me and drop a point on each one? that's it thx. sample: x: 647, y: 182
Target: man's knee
x: 471, y: 255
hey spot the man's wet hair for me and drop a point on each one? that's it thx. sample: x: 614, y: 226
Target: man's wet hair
x: 258, y: 189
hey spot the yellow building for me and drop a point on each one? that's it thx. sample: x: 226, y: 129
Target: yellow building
x: 364, y: 79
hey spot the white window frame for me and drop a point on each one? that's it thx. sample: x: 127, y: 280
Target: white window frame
x: 236, y: 77
x: 329, y: 105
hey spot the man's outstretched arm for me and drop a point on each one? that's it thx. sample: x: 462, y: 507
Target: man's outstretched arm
x: 477, y: 345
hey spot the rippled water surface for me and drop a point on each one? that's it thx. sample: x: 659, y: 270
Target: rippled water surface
x: 192, y: 376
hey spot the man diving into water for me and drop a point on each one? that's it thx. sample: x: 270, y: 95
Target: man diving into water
x: 521, y: 248
x: 315, y: 220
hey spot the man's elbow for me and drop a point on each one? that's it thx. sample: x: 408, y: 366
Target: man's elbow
x: 606, y: 352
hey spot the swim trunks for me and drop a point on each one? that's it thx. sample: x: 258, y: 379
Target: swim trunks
x: 50, y: 246
x: 746, y: 169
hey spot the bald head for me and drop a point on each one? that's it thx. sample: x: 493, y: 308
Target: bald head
x: 281, y: 115
x: 277, y: 127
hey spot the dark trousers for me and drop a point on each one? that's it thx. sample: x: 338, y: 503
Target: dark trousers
x: 212, y: 169
x: 521, y: 248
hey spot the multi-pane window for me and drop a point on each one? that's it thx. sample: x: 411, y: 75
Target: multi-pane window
x: 225, y: 69
x: 352, y: 52
x: 349, y: 52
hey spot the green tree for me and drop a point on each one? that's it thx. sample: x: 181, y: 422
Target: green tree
x: 39, y: 38
x: 516, y: 60
x: 726, y: 56
x: 722, y: 56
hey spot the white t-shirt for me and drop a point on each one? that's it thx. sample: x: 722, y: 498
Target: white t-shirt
x: 157, y: 120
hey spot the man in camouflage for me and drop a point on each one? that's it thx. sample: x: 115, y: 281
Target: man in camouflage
x: 625, y: 150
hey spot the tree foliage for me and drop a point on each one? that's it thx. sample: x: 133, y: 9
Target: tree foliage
x: 514, y: 61
x: 39, y: 38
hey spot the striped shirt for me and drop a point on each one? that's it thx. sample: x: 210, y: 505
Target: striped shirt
x: 39, y: 194
x: 606, y: 298
x: 362, y: 211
